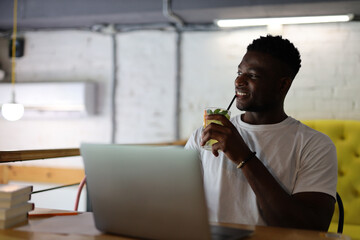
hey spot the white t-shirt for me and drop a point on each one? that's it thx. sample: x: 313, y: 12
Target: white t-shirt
x: 300, y: 158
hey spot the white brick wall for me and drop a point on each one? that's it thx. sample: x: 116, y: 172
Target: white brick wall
x: 146, y: 87
x: 65, y: 56
x: 329, y: 78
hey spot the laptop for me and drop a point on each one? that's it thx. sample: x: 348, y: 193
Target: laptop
x: 149, y: 192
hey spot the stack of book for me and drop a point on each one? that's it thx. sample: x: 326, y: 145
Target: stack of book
x: 14, y: 205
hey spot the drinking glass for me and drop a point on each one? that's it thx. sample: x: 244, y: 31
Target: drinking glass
x: 210, y: 111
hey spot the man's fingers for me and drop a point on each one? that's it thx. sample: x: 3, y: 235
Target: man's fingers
x: 205, y: 137
x: 215, y: 149
x: 213, y: 131
x: 220, y: 118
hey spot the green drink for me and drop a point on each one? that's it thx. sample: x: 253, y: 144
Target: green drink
x: 210, y: 111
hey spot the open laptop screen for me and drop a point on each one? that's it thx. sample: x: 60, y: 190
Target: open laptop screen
x: 146, y: 192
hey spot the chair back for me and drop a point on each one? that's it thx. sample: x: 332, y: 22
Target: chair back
x: 341, y: 213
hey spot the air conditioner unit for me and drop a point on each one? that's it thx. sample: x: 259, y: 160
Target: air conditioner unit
x: 76, y: 97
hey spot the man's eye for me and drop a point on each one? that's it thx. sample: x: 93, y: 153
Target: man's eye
x: 253, y: 76
x: 248, y: 75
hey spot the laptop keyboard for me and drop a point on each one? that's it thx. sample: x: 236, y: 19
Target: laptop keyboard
x: 226, y: 233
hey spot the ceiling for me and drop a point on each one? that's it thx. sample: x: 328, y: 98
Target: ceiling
x: 40, y: 14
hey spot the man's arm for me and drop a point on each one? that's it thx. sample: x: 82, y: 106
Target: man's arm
x: 310, y: 210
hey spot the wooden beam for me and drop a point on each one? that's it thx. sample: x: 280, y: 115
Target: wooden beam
x: 25, y: 155
x: 40, y: 174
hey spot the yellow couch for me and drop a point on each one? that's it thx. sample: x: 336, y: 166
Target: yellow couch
x: 346, y: 136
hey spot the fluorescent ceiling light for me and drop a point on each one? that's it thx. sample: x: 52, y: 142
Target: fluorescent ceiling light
x: 282, y: 20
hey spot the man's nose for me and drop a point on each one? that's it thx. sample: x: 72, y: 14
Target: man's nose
x: 240, y: 80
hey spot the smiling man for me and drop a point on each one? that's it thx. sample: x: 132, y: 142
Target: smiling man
x: 267, y: 168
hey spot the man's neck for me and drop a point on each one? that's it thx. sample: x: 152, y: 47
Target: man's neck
x: 258, y: 118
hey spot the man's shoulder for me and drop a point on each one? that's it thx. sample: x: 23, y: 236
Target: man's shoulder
x: 313, y: 135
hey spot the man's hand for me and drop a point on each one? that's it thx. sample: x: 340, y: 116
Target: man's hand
x: 228, y: 137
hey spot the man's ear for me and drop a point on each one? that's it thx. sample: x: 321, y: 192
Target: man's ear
x: 285, y: 83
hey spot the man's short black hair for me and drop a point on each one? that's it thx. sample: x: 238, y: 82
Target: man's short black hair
x: 279, y: 48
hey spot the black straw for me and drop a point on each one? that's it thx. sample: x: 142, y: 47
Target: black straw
x: 231, y: 103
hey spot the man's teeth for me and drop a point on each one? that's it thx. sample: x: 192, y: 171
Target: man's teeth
x: 241, y: 93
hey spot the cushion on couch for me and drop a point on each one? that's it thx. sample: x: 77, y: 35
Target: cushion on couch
x: 346, y: 136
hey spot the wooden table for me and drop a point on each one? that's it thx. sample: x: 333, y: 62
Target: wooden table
x: 81, y: 227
